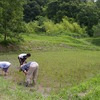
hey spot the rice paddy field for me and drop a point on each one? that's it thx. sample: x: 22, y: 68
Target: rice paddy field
x: 57, y: 70
x: 64, y: 74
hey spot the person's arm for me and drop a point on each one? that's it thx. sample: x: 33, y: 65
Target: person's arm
x: 21, y: 69
x: 25, y: 72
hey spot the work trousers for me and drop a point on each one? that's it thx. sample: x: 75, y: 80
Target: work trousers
x: 32, y: 73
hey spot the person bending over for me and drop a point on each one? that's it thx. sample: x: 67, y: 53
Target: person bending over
x: 30, y: 70
x: 22, y: 58
x: 4, y: 65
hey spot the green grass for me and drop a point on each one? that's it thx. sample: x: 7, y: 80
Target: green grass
x: 95, y: 41
x: 50, y: 43
x: 68, y: 69
x: 11, y: 91
x: 58, y: 70
x: 89, y: 90
x: 62, y: 42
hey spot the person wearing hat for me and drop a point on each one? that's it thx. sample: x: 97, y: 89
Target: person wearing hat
x: 30, y: 70
x: 4, y: 65
x: 22, y: 58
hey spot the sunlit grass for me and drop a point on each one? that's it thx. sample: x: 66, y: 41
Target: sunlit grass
x: 89, y: 90
x: 59, y: 69
x: 11, y: 91
x: 62, y: 41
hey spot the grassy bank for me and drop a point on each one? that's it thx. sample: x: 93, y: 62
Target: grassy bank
x: 89, y: 90
x: 50, y: 43
x: 61, y: 42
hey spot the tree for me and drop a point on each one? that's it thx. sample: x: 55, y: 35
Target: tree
x: 96, y: 30
x: 11, y: 17
x: 70, y: 1
x: 52, y: 9
x: 31, y: 10
x: 88, y: 16
x: 98, y: 3
x: 58, y: 9
x: 70, y: 9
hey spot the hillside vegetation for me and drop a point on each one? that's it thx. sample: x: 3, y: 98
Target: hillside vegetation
x: 45, y: 43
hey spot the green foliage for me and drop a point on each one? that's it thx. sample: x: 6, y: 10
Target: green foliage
x: 78, y: 1
x: 73, y: 27
x: 95, y: 41
x: 48, y: 27
x: 11, y: 17
x: 31, y: 10
x: 37, y: 12
x: 51, y: 28
x: 65, y: 27
x: 31, y: 27
x: 96, y: 30
x: 88, y: 12
x: 88, y: 16
x: 98, y: 3
x: 52, y: 9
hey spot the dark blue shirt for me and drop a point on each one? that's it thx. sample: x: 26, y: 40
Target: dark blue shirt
x: 26, y: 66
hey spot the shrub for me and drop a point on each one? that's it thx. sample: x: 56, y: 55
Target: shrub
x: 50, y: 28
x: 65, y: 27
x: 96, y: 30
x: 31, y: 27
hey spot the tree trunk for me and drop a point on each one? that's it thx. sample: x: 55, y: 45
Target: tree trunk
x: 5, y: 37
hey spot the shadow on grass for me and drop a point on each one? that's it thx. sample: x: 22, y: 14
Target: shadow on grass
x: 21, y: 83
x: 24, y: 84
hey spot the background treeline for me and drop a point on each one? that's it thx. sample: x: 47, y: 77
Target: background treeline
x: 49, y: 17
